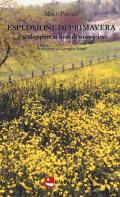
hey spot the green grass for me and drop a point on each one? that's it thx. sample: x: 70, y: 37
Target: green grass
x: 109, y: 71
x: 58, y: 58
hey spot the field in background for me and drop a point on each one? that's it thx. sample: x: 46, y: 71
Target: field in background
x: 49, y: 58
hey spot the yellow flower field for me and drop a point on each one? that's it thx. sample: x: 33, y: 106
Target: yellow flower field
x: 65, y: 126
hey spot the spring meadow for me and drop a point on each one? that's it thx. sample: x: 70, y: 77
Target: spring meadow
x: 60, y: 98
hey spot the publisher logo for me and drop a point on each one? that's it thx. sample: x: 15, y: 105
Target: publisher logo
x: 49, y: 182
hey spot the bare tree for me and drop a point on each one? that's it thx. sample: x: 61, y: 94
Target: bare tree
x: 4, y: 43
x: 116, y: 6
x: 22, y: 50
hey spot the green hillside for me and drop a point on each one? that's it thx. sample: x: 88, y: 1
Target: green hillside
x: 47, y: 58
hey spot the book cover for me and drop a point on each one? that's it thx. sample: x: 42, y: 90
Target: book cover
x: 59, y: 98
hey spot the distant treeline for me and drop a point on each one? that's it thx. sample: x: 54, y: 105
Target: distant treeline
x: 87, y: 9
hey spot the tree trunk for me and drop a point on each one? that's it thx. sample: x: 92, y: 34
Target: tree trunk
x: 6, y: 56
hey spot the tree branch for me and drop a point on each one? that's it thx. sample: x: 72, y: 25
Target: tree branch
x: 6, y: 56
